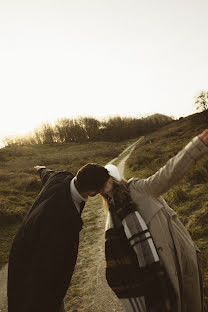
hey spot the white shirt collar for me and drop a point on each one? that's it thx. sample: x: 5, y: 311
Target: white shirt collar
x: 76, y: 196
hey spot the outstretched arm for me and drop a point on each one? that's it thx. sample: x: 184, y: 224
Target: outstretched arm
x: 175, y: 168
x: 44, y: 173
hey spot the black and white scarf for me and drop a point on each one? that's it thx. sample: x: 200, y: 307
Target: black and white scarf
x: 133, y: 268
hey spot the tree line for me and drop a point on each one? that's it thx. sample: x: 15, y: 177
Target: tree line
x: 85, y: 129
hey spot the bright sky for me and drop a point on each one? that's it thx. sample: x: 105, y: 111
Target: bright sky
x: 66, y: 58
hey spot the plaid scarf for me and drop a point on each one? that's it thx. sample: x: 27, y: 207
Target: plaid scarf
x: 133, y: 268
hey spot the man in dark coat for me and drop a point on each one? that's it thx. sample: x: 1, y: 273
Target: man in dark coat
x: 45, y: 248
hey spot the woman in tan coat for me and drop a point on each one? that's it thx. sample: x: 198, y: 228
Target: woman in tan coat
x: 174, y: 246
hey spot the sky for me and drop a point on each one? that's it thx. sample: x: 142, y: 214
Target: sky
x: 69, y: 58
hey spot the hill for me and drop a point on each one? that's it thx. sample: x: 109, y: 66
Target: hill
x: 159, y: 117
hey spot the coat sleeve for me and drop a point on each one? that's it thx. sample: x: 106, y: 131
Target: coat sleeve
x: 174, y: 170
x: 52, y: 264
x: 45, y: 174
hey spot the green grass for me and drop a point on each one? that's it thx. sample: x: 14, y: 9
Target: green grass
x: 189, y: 197
x: 19, y: 183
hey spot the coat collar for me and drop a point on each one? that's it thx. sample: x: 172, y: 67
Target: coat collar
x: 76, y: 196
x: 67, y: 182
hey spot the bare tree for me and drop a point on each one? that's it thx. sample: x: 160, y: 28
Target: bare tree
x: 47, y: 133
x: 91, y: 126
x: 201, y: 101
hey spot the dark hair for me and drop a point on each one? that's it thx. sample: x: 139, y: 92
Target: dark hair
x: 123, y: 203
x: 92, y: 177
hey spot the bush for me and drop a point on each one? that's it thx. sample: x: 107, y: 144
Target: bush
x: 200, y: 217
x: 9, y: 215
x: 178, y: 195
x: 198, y: 175
x: 198, y: 232
x: 24, y: 182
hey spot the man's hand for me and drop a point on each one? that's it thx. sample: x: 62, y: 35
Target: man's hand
x: 204, y: 137
x: 39, y: 167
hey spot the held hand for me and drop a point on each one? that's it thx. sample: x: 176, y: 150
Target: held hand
x: 39, y: 167
x: 204, y: 137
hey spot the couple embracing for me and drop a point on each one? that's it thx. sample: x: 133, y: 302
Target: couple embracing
x: 152, y: 264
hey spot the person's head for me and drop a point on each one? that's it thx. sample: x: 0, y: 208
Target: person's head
x: 91, y: 179
x: 118, y: 200
x: 119, y: 192
x: 114, y: 177
x: 116, y: 197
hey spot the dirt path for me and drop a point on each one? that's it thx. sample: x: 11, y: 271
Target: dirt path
x: 121, y: 164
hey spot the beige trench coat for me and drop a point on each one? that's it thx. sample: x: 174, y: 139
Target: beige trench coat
x: 175, y: 247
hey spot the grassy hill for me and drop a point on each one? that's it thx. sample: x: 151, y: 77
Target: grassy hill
x: 189, y: 197
x: 19, y: 183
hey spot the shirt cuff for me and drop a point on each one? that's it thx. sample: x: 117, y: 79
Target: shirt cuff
x: 196, y: 148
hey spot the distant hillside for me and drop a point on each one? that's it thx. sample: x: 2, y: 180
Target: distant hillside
x: 160, y: 117
x: 89, y: 129
x: 189, y: 198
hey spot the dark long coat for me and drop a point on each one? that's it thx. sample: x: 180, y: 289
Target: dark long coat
x: 45, y: 248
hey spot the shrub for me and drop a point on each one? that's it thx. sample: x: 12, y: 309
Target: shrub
x: 24, y: 182
x: 200, y: 217
x: 198, y: 175
x: 177, y: 195
x: 8, y: 214
x: 198, y: 232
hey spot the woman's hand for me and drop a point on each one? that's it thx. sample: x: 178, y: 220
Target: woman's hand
x: 204, y: 137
